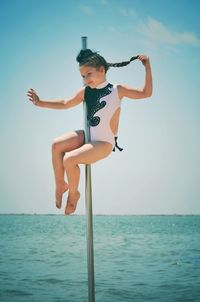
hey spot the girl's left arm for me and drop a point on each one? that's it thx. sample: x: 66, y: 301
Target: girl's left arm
x: 146, y: 91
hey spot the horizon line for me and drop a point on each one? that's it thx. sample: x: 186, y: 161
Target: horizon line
x: 41, y: 214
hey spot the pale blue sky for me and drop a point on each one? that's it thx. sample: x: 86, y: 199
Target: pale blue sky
x: 158, y: 171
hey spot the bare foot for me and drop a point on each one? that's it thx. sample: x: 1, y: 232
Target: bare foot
x: 59, y: 193
x: 71, y: 203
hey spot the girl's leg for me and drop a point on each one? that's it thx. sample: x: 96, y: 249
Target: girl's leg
x: 86, y: 154
x: 62, y: 144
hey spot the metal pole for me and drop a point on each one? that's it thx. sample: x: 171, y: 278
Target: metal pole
x: 88, y: 203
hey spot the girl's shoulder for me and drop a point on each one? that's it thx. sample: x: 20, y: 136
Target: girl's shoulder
x: 80, y: 93
x: 120, y: 90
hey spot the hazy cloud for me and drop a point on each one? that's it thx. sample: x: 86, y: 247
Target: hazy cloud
x: 114, y: 31
x: 104, y: 2
x: 86, y: 9
x: 127, y: 12
x: 156, y: 31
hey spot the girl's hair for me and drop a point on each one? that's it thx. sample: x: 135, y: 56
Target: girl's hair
x: 88, y: 57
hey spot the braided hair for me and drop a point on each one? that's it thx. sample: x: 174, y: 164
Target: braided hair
x: 93, y: 59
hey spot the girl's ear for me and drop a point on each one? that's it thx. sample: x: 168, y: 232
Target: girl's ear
x: 102, y: 69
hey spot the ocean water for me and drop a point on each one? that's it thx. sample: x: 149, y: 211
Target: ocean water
x: 137, y: 258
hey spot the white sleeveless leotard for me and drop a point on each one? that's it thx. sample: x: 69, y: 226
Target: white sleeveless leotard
x: 102, y: 102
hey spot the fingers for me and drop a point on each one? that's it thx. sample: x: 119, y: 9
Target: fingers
x: 31, y: 93
x: 143, y: 58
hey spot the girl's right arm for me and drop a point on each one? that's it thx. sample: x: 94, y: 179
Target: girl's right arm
x: 56, y: 104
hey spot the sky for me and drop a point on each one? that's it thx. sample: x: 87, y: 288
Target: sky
x: 158, y: 171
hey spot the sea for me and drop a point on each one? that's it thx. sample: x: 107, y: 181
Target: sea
x: 43, y: 258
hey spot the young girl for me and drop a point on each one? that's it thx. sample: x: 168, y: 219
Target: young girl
x: 103, y: 102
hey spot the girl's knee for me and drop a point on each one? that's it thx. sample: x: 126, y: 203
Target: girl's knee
x: 69, y: 160
x: 55, y: 145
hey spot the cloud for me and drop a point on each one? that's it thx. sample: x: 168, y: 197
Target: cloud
x: 127, y: 12
x: 114, y: 31
x: 158, y: 32
x: 104, y: 2
x: 87, y: 10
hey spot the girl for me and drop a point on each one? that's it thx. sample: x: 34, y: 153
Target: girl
x: 103, y: 102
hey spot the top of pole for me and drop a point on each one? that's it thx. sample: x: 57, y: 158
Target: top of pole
x: 84, y: 42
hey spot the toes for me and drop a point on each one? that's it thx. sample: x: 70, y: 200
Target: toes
x: 58, y: 199
x: 71, y: 204
x: 59, y: 194
x: 58, y: 205
x: 70, y: 208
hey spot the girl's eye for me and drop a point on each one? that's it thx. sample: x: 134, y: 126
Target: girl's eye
x: 88, y: 74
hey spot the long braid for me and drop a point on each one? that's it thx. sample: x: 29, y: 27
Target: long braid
x: 87, y: 56
x: 122, y: 64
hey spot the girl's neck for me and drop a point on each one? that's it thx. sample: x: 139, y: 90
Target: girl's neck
x: 102, y: 84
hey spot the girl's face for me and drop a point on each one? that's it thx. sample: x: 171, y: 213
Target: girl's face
x: 92, y: 76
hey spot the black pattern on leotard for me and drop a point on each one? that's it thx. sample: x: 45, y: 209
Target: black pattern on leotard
x: 92, y: 98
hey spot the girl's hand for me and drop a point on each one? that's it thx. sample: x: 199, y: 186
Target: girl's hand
x: 33, y: 97
x: 144, y: 59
